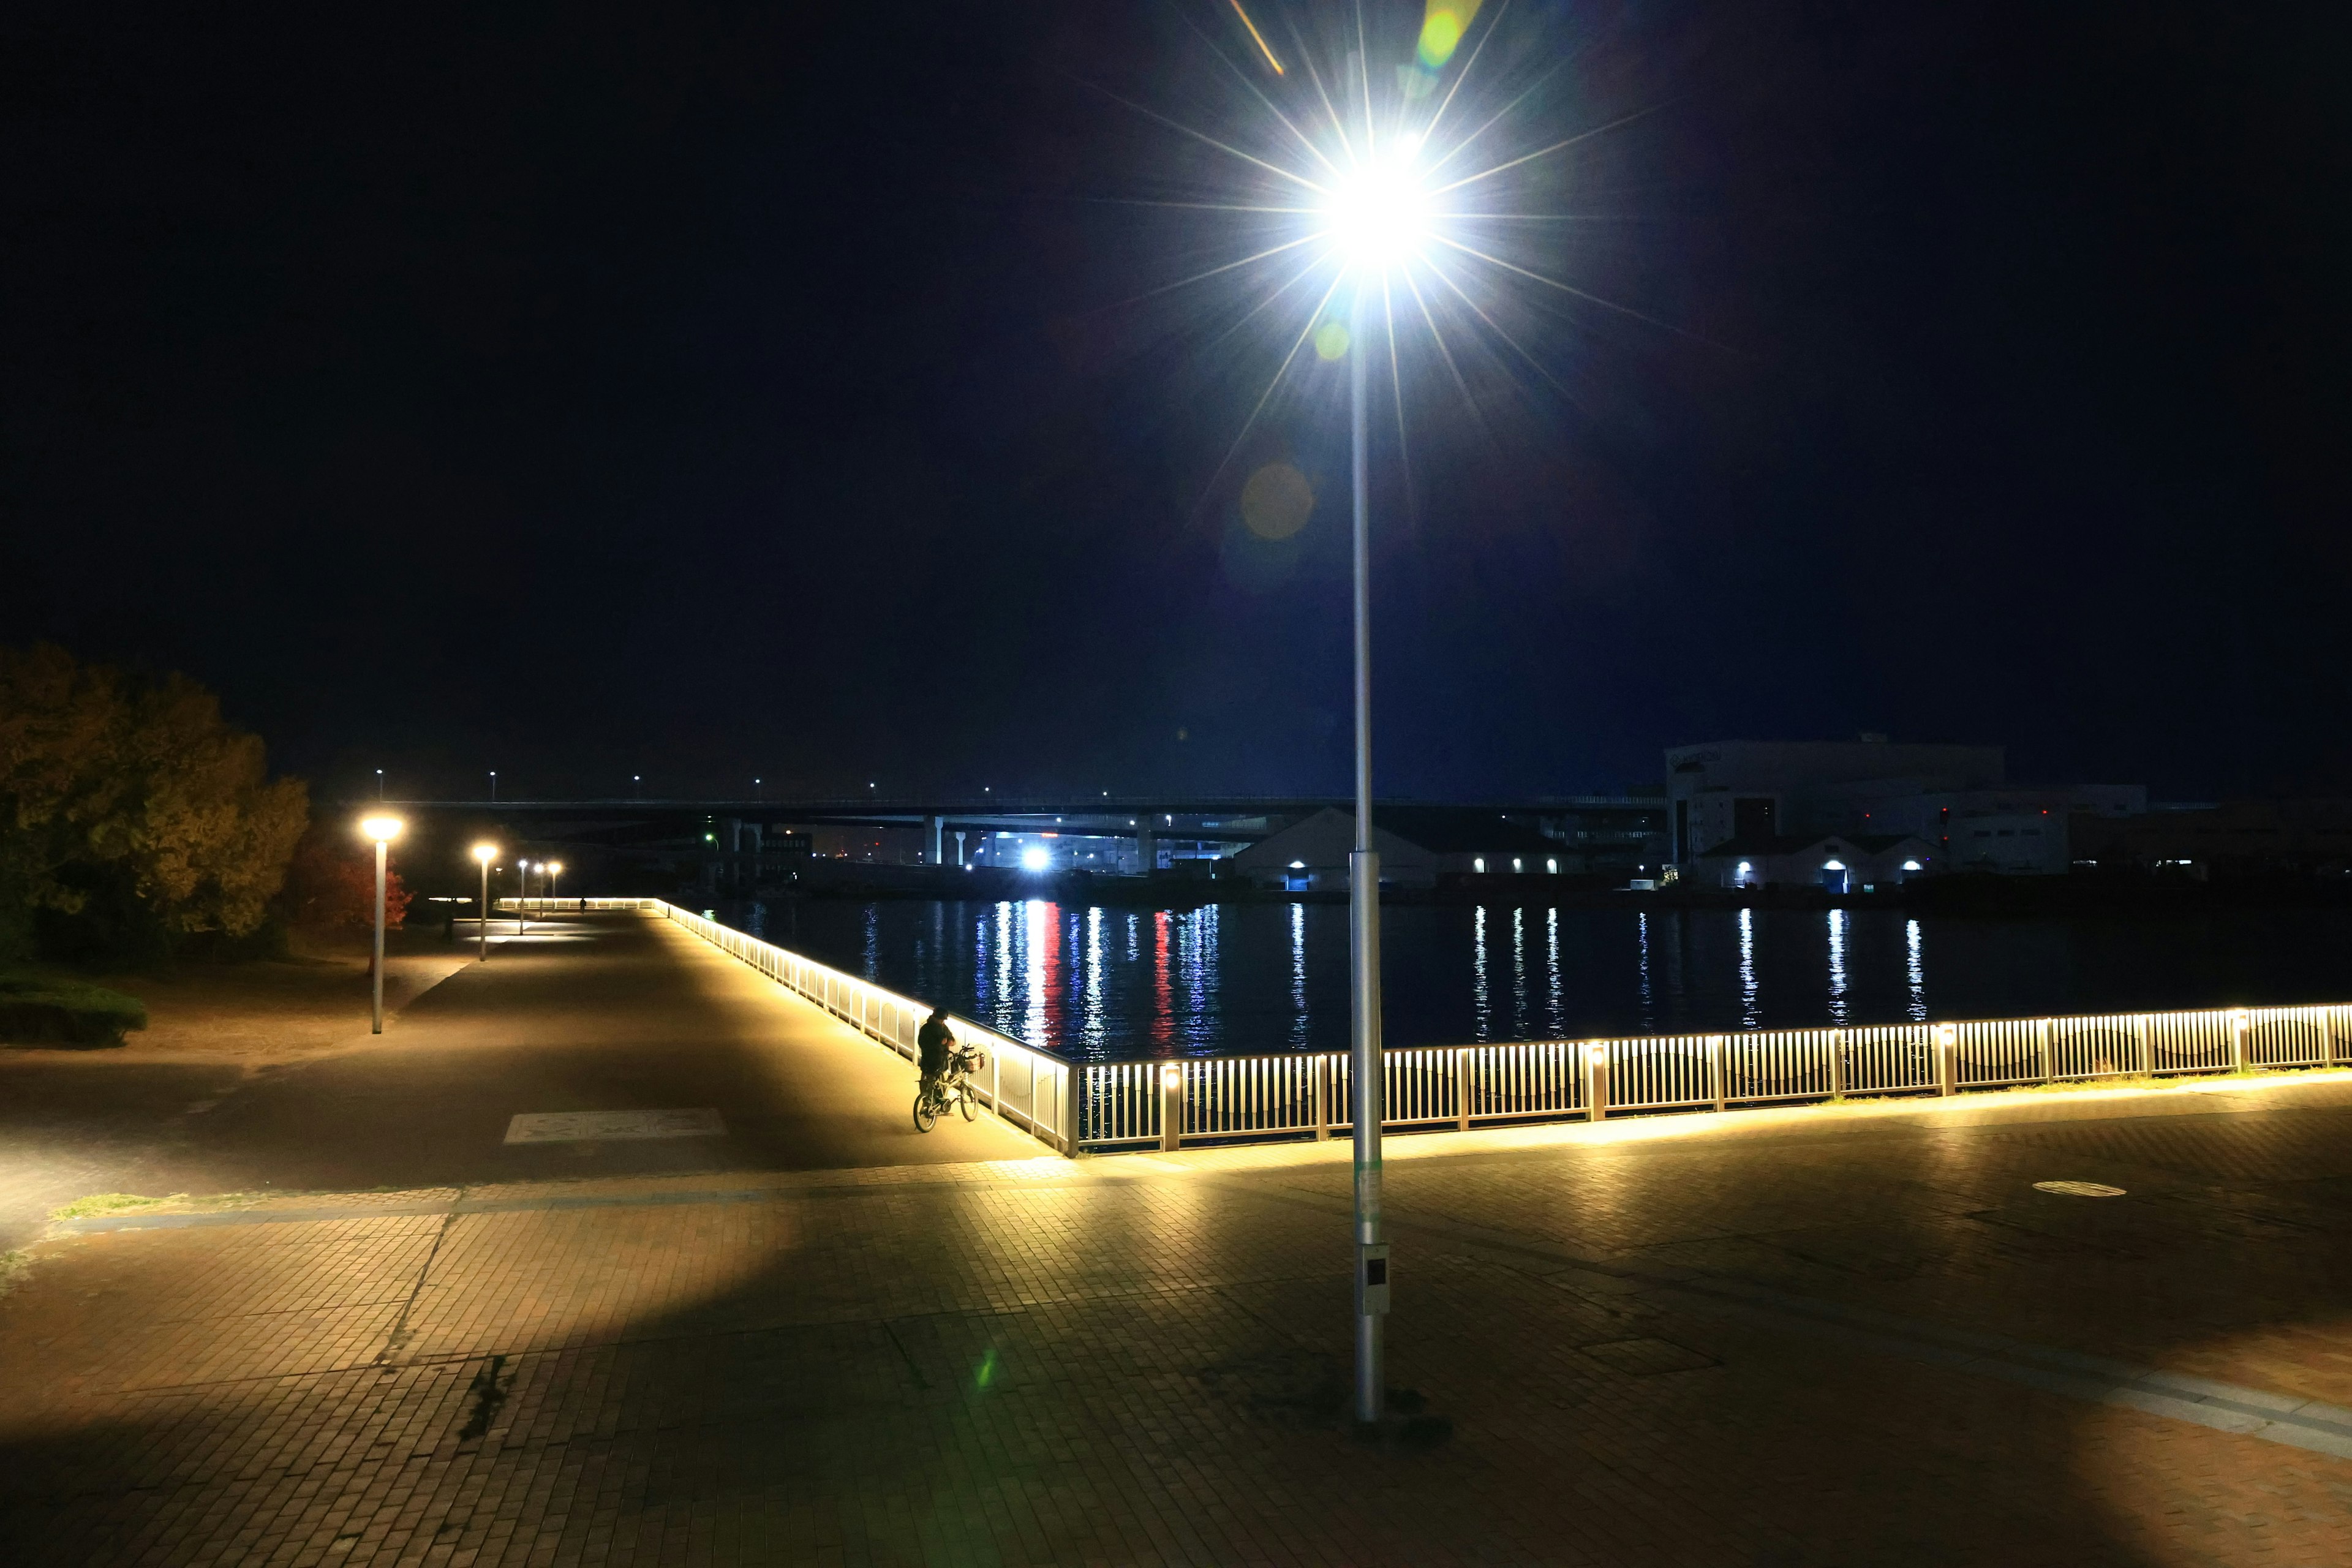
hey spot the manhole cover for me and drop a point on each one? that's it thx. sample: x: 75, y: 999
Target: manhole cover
x: 2079, y: 1189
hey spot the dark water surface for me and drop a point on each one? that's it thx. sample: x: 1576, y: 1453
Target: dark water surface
x: 1250, y: 979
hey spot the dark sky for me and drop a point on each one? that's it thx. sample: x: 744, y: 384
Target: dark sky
x: 704, y: 393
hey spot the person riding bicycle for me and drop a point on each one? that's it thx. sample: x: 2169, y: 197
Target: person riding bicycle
x: 935, y: 1045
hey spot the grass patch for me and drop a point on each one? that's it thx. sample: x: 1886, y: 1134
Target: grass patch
x: 59, y: 1010
x: 112, y: 1203
x: 14, y: 1267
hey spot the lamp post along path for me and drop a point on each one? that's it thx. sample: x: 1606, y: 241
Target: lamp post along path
x: 382, y: 830
x: 1364, y: 1060
x: 483, y: 855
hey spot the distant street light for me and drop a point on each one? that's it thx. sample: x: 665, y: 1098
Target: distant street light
x: 485, y: 853
x: 494, y: 783
x: 523, y: 891
x: 379, y: 783
x: 638, y: 784
x: 555, y: 870
x: 382, y: 830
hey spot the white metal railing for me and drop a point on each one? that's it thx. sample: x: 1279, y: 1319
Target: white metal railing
x: 1242, y: 1098
x: 1214, y: 1099
x: 1031, y: 1088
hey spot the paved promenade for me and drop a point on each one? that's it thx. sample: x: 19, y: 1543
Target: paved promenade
x: 1840, y: 1335
x: 613, y: 1012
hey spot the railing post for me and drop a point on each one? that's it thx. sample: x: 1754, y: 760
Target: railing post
x: 1172, y: 1105
x: 2327, y: 1037
x: 1462, y: 1089
x: 1947, y: 1059
x: 2238, y: 1041
x: 1596, y: 1071
x: 1322, y: 1069
x: 1714, y: 1044
x: 1071, y: 1073
x: 2041, y: 1046
x: 1837, y: 1064
x: 2144, y: 1044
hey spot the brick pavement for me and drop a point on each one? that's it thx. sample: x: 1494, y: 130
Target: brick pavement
x: 1769, y: 1339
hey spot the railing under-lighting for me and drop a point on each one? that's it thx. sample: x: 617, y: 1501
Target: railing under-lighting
x: 1032, y: 1090
x: 1196, y: 1100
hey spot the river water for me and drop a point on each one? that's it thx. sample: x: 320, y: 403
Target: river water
x: 1110, y: 983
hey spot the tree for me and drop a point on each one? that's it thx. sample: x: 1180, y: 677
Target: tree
x: 127, y: 799
x: 330, y: 886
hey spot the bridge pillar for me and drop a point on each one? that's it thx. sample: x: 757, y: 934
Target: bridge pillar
x: 959, y: 860
x: 935, y: 858
x: 1147, y: 848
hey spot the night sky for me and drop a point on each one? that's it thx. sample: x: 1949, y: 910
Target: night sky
x: 707, y: 393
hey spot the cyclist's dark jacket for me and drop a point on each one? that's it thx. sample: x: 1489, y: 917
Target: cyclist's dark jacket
x: 933, y: 1043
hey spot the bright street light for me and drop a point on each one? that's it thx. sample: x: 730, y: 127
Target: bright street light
x: 382, y: 830
x: 555, y: 870
x: 1379, y: 212
x: 1392, y: 216
x: 484, y: 852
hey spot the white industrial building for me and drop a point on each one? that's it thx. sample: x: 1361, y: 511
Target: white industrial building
x: 1956, y: 799
x: 1417, y: 846
x: 1835, y: 863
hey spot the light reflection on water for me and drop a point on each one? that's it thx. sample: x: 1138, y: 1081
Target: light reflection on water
x: 1241, y: 979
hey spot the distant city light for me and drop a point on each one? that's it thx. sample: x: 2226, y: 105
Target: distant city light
x: 1299, y: 865
x: 1832, y: 865
x: 1911, y: 865
x: 1552, y: 867
x: 1034, y: 858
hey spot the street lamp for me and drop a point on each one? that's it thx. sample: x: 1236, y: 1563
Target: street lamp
x: 485, y: 853
x: 379, y: 783
x: 494, y: 783
x: 523, y: 891
x: 555, y: 870
x: 382, y: 830
x: 1377, y: 214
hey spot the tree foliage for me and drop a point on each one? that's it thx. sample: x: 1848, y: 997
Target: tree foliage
x: 121, y: 792
x: 330, y: 886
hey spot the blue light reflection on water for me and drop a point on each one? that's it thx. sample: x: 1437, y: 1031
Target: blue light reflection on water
x: 1247, y: 979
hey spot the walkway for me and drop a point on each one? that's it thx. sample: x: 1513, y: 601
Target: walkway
x: 606, y: 1012
x: 1779, y: 1338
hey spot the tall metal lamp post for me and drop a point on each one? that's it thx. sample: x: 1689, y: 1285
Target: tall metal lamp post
x: 1376, y: 214
x: 382, y: 830
x: 555, y: 870
x: 484, y: 854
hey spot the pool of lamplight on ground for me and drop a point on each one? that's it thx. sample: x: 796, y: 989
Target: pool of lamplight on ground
x: 1109, y: 983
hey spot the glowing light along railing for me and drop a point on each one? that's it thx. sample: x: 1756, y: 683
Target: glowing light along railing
x: 1219, y: 1100
x: 1236, y: 1100
x: 1030, y: 1088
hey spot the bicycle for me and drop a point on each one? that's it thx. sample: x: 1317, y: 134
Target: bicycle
x: 951, y: 1090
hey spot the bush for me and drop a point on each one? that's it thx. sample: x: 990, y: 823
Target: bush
x: 41, y: 1010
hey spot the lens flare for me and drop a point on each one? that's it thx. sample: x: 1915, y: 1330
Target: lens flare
x: 1408, y: 186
